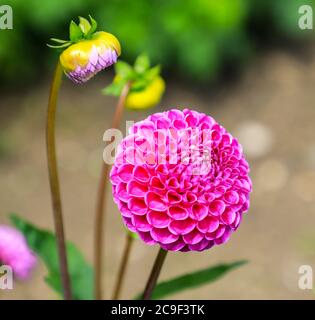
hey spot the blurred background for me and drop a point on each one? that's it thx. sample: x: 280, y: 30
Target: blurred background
x: 244, y: 62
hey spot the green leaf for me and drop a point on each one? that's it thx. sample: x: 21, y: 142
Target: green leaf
x: 44, y: 244
x: 123, y: 69
x: 59, y: 46
x: 193, y: 280
x: 58, y: 40
x: 84, y: 25
x: 139, y: 85
x: 142, y: 63
x: 152, y: 73
x: 93, y: 26
x: 76, y: 33
x: 115, y: 88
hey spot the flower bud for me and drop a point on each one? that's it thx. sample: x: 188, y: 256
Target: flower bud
x: 82, y: 60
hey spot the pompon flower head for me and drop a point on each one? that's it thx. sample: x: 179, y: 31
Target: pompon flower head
x: 180, y: 180
x: 88, y: 52
x: 15, y: 252
x: 147, y: 86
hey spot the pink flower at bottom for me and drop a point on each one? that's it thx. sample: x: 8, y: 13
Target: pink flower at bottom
x: 15, y: 252
x: 180, y: 180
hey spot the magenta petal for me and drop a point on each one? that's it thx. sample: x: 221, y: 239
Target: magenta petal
x: 141, y: 174
x: 173, y: 197
x: 146, y: 237
x: 175, y: 246
x: 181, y: 227
x: 158, y: 219
x: 216, y: 207
x: 200, y: 246
x: 125, y: 172
x: 193, y: 237
x: 121, y: 191
x: 228, y: 216
x: 141, y: 223
x: 224, y: 238
x: 163, y: 236
x: 198, y: 212
x: 155, y: 202
x: 137, y: 206
x: 209, y: 224
x: 123, y: 208
x: 114, y: 176
x: 231, y: 197
x: 173, y: 183
x: 157, y: 184
x: 177, y: 212
x: 220, y: 231
x: 191, y: 197
x: 129, y: 224
x: 136, y: 189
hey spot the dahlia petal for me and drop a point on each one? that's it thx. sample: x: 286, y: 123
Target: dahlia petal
x: 158, y: 219
x: 200, y: 246
x: 228, y: 216
x: 157, y: 184
x: 125, y: 172
x: 173, y: 197
x: 146, y: 237
x: 181, y: 227
x: 129, y: 224
x: 224, y: 238
x: 136, y: 189
x: 193, y: 237
x: 137, y: 206
x: 141, y: 223
x: 209, y: 224
x: 198, y: 212
x: 121, y: 190
x: 163, y: 236
x: 175, y: 246
x: 155, y: 202
x: 216, y: 207
x: 177, y: 212
x: 123, y: 208
x: 141, y: 174
x: 190, y: 197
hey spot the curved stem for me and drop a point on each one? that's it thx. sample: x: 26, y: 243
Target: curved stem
x: 154, y: 274
x: 101, y: 203
x: 54, y: 182
x: 123, y: 266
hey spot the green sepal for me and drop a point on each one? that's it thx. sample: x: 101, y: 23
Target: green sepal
x: 140, y: 75
x: 75, y: 32
x: 115, y: 88
x: 142, y: 63
x: 93, y: 27
x: 84, y: 25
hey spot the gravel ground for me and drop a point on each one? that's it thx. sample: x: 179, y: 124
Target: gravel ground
x: 270, y: 108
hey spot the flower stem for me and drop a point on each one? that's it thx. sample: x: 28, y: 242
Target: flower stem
x: 54, y: 182
x: 101, y: 203
x: 123, y: 266
x: 154, y: 274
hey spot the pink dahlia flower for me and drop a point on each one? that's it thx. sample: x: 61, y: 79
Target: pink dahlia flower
x: 15, y: 252
x: 180, y: 180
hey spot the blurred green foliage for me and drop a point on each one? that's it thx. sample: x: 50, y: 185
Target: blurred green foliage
x: 194, y: 38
